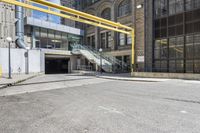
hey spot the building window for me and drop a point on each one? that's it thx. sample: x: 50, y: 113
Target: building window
x: 103, y: 40
x: 181, y: 28
x: 106, y: 40
x: 51, y: 39
x: 124, y: 39
x: 106, y: 14
x: 175, y: 6
x: 157, y: 49
x: 93, y: 41
x: 124, y: 8
x: 109, y: 39
x: 121, y: 39
x: 160, y: 8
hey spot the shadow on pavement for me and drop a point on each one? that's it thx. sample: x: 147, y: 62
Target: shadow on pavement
x: 52, y: 81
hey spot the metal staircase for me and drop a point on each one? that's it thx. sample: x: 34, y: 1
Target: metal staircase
x: 109, y: 63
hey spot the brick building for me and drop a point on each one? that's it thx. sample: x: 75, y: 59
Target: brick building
x: 116, y: 44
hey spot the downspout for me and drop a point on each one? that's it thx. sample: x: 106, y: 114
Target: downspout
x: 19, y: 14
x: 20, y: 26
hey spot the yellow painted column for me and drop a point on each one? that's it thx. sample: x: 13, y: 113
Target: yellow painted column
x: 0, y: 71
x: 133, y: 51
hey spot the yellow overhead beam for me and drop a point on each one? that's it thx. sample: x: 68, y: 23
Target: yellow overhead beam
x: 81, y: 14
x: 79, y: 17
x: 25, y: 5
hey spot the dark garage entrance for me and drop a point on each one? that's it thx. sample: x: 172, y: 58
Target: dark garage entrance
x: 55, y: 65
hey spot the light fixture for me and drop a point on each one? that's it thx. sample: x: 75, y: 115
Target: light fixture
x: 9, y: 39
x: 100, y: 50
x: 139, y: 6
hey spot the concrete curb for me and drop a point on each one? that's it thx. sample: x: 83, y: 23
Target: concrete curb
x: 17, y: 82
x: 132, y: 79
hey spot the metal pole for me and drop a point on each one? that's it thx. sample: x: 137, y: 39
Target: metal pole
x: 9, y: 62
x: 100, y: 63
x: 133, y: 50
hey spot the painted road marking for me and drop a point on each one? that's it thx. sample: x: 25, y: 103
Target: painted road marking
x: 110, y: 110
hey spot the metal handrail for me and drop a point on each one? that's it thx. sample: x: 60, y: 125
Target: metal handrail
x: 109, y: 58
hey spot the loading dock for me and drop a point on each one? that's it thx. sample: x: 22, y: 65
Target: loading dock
x: 56, y: 64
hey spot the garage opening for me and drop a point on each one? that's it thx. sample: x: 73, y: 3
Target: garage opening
x: 56, y: 65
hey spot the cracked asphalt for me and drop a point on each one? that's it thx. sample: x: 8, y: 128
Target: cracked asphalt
x: 86, y: 104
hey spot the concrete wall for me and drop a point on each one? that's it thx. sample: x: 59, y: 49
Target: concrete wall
x: 188, y: 76
x: 7, y: 24
x: 18, y: 61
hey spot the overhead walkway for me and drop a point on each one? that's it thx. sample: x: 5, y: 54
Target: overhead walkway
x: 109, y: 63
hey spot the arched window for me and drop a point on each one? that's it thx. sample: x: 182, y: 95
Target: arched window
x: 124, y: 8
x: 106, y: 13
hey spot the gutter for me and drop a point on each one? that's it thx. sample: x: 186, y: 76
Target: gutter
x: 19, y: 14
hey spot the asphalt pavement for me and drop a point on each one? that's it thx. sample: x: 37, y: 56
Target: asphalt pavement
x: 87, y: 104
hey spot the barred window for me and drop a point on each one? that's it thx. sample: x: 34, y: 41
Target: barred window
x: 124, y: 8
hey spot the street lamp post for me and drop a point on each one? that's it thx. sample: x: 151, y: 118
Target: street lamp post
x: 9, y: 40
x: 100, y: 50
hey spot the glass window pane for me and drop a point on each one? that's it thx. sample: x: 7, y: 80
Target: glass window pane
x: 172, y: 7
x: 179, y: 6
x: 103, y: 40
x: 58, y: 35
x: 189, y: 66
x: 157, y: 66
x: 197, y: 46
x: 188, y: 4
x: 157, y: 8
x: 163, y: 66
x: 197, y: 66
x: 179, y: 66
x: 37, y: 32
x: 189, y: 47
x: 179, y: 47
x: 109, y: 40
x: 51, y: 34
x: 163, y: 4
x: 43, y: 33
x: 121, y: 39
x: 64, y: 36
x: 93, y: 41
x: 157, y: 49
x: 129, y: 39
x: 172, y: 66
x: 196, y: 3
x: 172, y: 48
x: 164, y: 49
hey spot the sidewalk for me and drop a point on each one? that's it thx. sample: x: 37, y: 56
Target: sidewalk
x: 127, y: 77
x: 16, y: 78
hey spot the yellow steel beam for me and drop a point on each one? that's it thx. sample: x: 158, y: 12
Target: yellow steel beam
x: 80, y: 17
x: 14, y: 2
x: 81, y: 14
